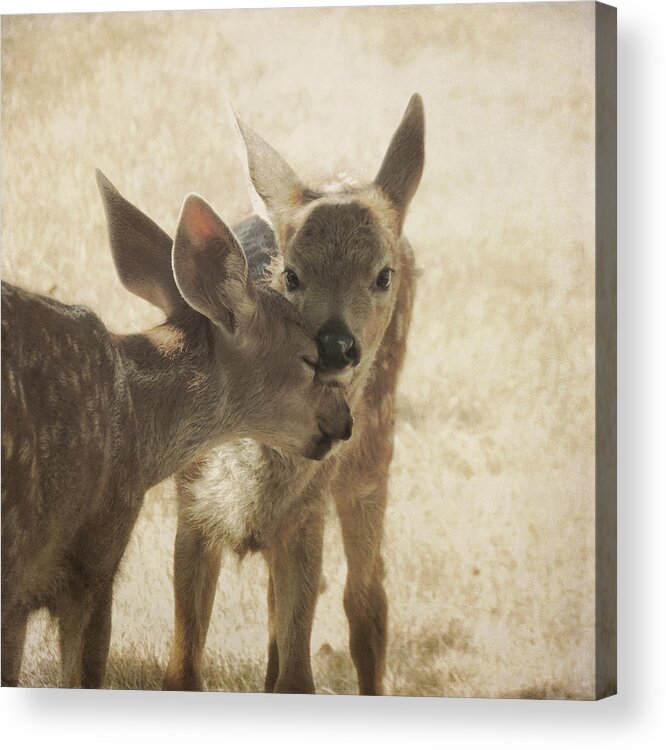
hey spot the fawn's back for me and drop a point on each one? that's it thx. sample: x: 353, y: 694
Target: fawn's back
x: 64, y: 405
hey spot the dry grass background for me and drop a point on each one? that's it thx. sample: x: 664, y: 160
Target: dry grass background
x: 489, y: 539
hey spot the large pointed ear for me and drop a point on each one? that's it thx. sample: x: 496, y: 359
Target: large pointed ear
x: 272, y: 180
x: 210, y: 268
x: 141, y: 250
x: 401, y: 170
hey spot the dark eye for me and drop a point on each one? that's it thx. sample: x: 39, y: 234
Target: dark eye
x: 291, y: 280
x: 384, y: 278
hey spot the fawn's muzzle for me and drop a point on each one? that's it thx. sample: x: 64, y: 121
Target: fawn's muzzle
x: 337, y: 346
x: 344, y: 432
x: 328, y: 436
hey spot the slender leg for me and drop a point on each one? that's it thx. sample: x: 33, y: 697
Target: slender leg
x: 14, y: 626
x: 273, y: 668
x: 196, y: 570
x: 362, y: 523
x: 295, y: 568
x: 74, y: 611
x: 97, y: 638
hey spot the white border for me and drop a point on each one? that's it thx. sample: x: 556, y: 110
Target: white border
x: 55, y: 718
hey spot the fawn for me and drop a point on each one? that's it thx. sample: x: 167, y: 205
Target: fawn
x: 338, y: 254
x: 91, y: 420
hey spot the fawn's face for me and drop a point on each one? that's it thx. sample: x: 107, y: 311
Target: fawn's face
x: 277, y: 371
x: 339, y: 250
x: 266, y: 363
x: 341, y: 270
x: 267, y: 360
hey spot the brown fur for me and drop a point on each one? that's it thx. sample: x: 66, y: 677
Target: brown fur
x: 248, y: 496
x: 91, y: 420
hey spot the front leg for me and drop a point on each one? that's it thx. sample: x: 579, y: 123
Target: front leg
x: 14, y: 627
x: 362, y: 523
x: 273, y: 668
x: 195, y: 574
x: 295, y: 570
x: 97, y: 638
x: 74, y: 609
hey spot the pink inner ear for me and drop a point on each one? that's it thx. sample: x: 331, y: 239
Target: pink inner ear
x: 200, y: 221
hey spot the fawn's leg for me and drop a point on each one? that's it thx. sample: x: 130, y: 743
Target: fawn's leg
x: 97, y: 638
x: 362, y: 523
x: 74, y: 611
x: 295, y: 569
x: 14, y: 626
x: 195, y: 572
x: 273, y: 668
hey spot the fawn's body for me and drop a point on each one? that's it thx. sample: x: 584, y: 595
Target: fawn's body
x: 91, y: 420
x: 344, y: 264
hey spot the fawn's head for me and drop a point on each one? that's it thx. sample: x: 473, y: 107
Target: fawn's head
x: 257, y: 347
x: 339, y: 248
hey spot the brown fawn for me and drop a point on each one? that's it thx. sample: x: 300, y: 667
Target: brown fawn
x: 91, y: 420
x: 339, y: 255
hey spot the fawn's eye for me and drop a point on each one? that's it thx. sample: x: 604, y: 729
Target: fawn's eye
x: 291, y: 280
x: 309, y: 364
x: 384, y: 278
x: 310, y: 367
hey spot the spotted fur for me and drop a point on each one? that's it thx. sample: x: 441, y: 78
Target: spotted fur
x: 91, y: 420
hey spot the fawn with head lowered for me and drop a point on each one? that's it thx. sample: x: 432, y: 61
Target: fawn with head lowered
x: 338, y: 253
x: 91, y: 420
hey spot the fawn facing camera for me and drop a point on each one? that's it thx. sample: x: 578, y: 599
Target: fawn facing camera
x: 342, y: 260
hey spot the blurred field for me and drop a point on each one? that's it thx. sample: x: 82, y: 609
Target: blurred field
x: 489, y: 539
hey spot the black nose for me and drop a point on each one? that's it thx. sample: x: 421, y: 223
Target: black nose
x: 337, y: 347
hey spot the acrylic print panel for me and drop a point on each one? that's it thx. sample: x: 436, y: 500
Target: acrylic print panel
x: 481, y: 562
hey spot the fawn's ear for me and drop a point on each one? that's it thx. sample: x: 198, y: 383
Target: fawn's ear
x: 272, y: 181
x: 209, y: 266
x: 141, y: 250
x: 401, y: 170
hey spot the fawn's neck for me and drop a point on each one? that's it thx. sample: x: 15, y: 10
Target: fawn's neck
x: 179, y: 397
